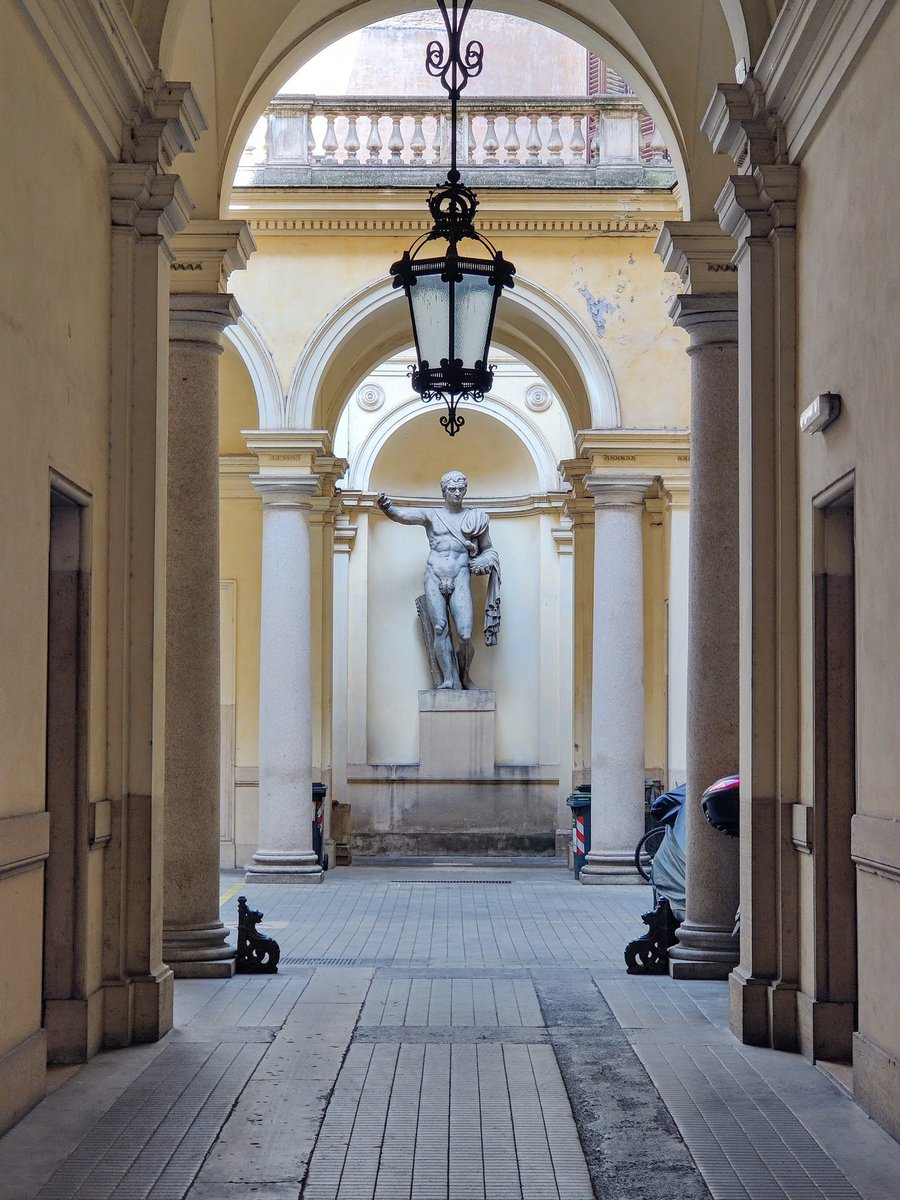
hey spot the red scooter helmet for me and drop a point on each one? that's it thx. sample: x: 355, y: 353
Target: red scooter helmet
x: 721, y: 804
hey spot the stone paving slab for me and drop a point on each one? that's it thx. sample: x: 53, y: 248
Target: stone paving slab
x: 470, y: 1026
x: 759, y: 1124
x: 448, y: 1122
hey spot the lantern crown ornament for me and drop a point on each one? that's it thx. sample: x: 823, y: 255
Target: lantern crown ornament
x: 453, y: 298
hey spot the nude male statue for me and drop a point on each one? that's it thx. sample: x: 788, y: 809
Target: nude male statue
x: 460, y: 546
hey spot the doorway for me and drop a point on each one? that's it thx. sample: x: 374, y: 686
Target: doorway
x: 65, y: 885
x: 835, y: 781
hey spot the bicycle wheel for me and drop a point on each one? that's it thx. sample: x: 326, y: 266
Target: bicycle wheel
x: 645, y: 850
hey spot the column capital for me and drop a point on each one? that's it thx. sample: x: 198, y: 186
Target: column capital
x: 206, y: 252
x: 201, y: 318
x: 709, y: 320
x: 754, y: 205
x: 168, y: 122
x: 700, y: 253
x: 615, y: 489
x: 291, y: 493
x: 738, y: 123
x: 155, y: 206
x: 289, y: 456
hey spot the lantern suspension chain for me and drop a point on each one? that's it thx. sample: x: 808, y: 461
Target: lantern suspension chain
x: 455, y: 69
x: 452, y: 298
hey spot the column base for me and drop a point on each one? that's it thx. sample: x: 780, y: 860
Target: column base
x: 609, y: 868
x: 199, y: 951
x: 703, y: 952
x: 748, y: 1007
x: 284, y: 866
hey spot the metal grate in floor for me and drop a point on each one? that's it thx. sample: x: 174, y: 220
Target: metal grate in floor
x: 451, y: 882
x: 319, y: 962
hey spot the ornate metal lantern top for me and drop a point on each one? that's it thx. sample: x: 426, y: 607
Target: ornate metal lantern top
x: 453, y: 299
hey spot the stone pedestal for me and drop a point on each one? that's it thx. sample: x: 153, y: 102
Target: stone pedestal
x: 285, y: 853
x: 456, y: 734
x: 617, y: 709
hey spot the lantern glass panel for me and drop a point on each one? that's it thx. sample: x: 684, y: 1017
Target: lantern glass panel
x: 474, y: 302
x: 430, y: 303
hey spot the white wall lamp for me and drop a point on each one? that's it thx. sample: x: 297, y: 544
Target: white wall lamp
x: 819, y: 415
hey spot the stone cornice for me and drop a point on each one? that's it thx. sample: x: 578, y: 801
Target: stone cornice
x: 274, y: 212
x: 808, y: 58
x: 130, y: 108
x: 700, y: 254
x: 499, y: 506
x: 206, y: 253
x: 234, y: 477
x: 642, y: 451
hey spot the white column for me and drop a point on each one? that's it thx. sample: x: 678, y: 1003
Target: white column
x: 677, y: 650
x: 617, y: 708
x: 285, y: 853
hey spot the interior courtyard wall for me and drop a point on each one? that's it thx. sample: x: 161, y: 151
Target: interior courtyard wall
x: 615, y: 285
x: 848, y: 298
x: 54, y: 344
x: 617, y: 288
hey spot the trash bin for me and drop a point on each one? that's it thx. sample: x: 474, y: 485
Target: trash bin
x: 580, y: 804
x: 318, y: 825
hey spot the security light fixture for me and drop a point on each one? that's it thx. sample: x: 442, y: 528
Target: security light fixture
x: 819, y: 415
x: 453, y: 299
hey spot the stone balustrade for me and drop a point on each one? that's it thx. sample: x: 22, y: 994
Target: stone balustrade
x: 313, y: 140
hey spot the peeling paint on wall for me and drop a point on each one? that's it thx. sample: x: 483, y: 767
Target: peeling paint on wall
x: 598, y: 307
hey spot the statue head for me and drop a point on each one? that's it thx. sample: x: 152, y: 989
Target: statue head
x: 454, y: 479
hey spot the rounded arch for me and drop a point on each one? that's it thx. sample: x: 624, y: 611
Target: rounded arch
x: 257, y: 358
x: 373, y: 324
x: 636, y: 45
x: 501, y: 410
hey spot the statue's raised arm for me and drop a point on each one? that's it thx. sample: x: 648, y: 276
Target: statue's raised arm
x: 403, y: 516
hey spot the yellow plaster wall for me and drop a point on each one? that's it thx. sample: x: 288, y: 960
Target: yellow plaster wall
x: 237, y: 402
x: 849, y: 297
x: 241, y: 560
x: 54, y: 346
x: 614, y: 285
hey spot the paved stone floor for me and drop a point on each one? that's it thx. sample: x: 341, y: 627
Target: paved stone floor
x: 450, y: 1031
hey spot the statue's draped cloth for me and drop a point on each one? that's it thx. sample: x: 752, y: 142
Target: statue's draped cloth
x: 467, y: 527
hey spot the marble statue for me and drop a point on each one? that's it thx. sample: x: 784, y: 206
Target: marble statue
x: 460, y: 546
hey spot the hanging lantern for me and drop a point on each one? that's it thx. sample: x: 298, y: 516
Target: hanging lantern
x: 453, y: 298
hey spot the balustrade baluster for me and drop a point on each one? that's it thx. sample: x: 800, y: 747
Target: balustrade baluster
x: 310, y: 138
x: 417, y: 145
x: 374, y: 142
x: 555, y: 142
x: 576, y: 142
x: 437, y: 144
x: 596, y: 137
x: 490, y: 143
x: 511, y: 143
x: 329, y: 143
x: 351, y: 142
x: 533, y: 142
x: 471, y: 144
x: 395, y: 143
